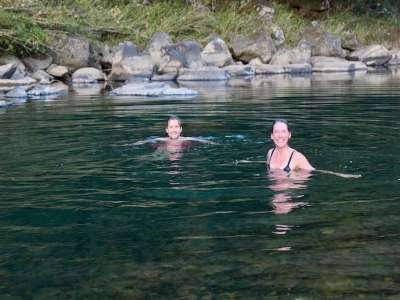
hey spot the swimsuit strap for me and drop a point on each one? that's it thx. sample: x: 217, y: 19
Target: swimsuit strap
x: 269, y: 161
x: 287, y: 168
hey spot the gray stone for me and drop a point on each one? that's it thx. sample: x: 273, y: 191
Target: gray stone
x: 124, y: 51
x: 350, y: 41
x: 278, y: 35
x: 266, y: 12
x: 373, y: 55
x: 164, y: 77
x: 38, y: 62
x: 269, y: 69
x: 395, y: 60
x: 57, y: 89
x: 43, y: 77
x: 321, y: 43
x: 283, y: 69
x: 172, y: 60
x: 6, y: 71
x: 298, y: 55
x: 57, y: 71
x: 192, y: 53
x: 17, y: 92
x: 157, y: 42
x: 239, y: 71
x: 247, y: 48
x: 202, y: 74
x: 12, y: 82
x: 336, y: 64
x: 140, y: 66
x: 216, y: 53
x: 71, y: 51
x: 88, y: 75
x: 152, y: 90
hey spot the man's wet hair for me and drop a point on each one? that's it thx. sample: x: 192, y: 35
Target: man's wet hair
x: 284, y: 121
x: 173, y: 117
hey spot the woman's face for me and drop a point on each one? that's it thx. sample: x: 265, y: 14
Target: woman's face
x: 280, y: 134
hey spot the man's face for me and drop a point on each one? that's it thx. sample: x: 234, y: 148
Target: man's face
x: 174, y: 129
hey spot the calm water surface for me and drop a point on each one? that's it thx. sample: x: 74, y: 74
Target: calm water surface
x: 84, y: 215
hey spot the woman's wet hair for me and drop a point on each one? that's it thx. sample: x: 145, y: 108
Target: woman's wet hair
x: 280, y: 121
x: 172, y: 118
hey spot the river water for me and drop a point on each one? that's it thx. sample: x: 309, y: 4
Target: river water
x: 86, y: 215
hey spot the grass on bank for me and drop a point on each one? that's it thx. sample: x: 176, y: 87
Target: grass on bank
x: 26, y: 25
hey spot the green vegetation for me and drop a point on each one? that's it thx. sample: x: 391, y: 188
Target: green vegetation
x: 26, y: 25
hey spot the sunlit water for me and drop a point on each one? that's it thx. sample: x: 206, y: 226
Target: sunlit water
x: 85, y: 215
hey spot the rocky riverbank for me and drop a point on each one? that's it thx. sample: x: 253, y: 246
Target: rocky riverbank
x: 76, y: 60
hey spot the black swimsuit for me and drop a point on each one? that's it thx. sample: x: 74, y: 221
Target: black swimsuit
x: 287, y: 168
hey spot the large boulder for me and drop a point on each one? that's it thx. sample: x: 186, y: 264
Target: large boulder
x: 322, y: 43
x: 203, y: 74
x: 152, y: 89
x: 216, y: 53
x: 139, y: 66
x: 71, y: 51
x: 88, y: 75
x: 336, y: 64
x: 123, y: 51
x: 157, y: 42
x: 298, y: 55
x: 186, y: 54
x: 350, y: 41
x: 20, y: 71
x: 56, y: 89
x: 373, y: 55
x: 7, y: 71
x: 258, y: 46
x: 38, y: 62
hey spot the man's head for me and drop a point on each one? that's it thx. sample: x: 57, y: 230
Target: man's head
x: 174, y: 127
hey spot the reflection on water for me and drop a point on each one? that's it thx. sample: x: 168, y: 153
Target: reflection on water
x: 284, y: 184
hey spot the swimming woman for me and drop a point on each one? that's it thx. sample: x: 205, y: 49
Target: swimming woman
x: 282, y: 156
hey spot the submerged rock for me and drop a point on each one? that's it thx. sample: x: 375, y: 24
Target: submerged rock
x: 203, y: 74
x: 17, y: 92
x: 152, y: 89
x: 336, y: 64
x: 240, y: 70
x: 12, y: 82
x: 56, y: 89
x: 283, y: 69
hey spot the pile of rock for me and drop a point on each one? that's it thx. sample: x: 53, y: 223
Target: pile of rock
x: 76, y: 61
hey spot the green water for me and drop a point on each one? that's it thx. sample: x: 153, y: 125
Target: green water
x: 84, y: 215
